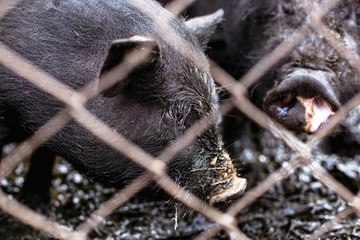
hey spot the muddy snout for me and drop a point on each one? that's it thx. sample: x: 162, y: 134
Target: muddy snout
x: 302, y: 103
x: 227, y: 185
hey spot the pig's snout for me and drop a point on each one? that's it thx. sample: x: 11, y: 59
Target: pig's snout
x: 301, y: 103
x: 228, y: 185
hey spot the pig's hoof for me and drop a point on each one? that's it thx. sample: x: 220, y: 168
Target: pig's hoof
x: 235, y: 189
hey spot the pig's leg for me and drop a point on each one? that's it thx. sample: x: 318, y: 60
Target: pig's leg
x: 38, y: 180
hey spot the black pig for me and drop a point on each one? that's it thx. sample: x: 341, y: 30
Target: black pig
x: 77, y: 41
x: 309, y: 85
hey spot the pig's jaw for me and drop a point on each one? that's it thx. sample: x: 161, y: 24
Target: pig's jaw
x: 228, y: 185
x: 236, y: 187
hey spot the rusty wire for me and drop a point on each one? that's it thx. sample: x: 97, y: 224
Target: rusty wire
x: 156, y: 167
x: 251, y: 111
x: 75, y: 104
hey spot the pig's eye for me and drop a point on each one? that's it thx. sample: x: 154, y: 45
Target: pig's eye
x: 175, y: 117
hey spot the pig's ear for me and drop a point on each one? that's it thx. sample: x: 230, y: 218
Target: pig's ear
x: 203, y: 27
x: 116, y: 54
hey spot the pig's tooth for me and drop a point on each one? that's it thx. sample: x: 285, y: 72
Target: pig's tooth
x: 317, y: 112
x: 322, y: 111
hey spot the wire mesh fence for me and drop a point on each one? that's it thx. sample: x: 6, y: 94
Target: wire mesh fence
x: 156, y: 167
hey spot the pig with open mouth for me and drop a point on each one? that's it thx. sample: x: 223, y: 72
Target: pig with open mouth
x: 310, y: 84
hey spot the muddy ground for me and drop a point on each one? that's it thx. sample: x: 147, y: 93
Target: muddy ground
x: 293, y: 209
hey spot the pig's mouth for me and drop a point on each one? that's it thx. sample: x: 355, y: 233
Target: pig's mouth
x: 301, y: 103
x: 228, y: 185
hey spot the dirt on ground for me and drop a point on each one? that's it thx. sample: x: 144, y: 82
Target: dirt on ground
x: 292, y: 209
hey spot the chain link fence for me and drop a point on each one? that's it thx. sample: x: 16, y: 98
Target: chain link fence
x: 157, y: 167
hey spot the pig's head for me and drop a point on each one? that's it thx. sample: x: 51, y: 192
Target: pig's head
x: 163, y: 98
x: 307, y: 87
